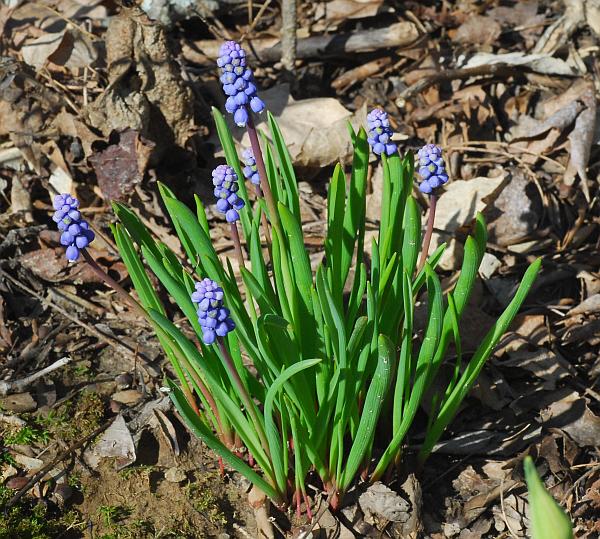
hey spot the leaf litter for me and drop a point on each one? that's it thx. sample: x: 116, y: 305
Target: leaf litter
x: 102, y: 101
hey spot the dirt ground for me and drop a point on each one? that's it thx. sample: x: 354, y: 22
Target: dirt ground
x: 99, y: 99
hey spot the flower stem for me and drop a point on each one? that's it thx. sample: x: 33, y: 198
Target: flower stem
x: 428, y: 232
x: 263, y: 217
x: 123, y: 294
x: 243, y: 393
x: 235, y: 236
x: 262, y: 172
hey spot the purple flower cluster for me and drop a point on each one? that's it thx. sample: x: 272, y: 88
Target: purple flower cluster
x: 214, y: 319
x: 225, y: 181
x: 238, y: 83
x: 380, y: 133
x: 76, y: 233
x: 431, y: 168
x: 250, y: 170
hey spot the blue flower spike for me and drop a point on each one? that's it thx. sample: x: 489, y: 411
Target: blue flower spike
x: 76, y: 232
x: 380, y: 133
x: 228, y: 202
x: 238, y: 83
x: 213, y: 317
x: 432, y: 168
x: 250, y: 170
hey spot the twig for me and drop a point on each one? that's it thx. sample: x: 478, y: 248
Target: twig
x: 500, y: 70
x: 108, y: 339
x: 17, y: 386
x: 60, y: 457
x: 260, y: 13
x: 288, y: 34
x: 398, y: 35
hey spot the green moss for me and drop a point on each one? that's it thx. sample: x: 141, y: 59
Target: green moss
x: 205, y: 502
x: 26, y: 520
x: 76, y: 418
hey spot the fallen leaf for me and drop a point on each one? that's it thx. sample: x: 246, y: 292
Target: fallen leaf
x: 581, y: 139
x: 115, y: 442
x: 69, y: 48
x: 121, y: 166
x: 477, y: 30
x: 19, y: 402
x: 457, y: 206
x: 340, y: 10
x: 544, y: 364
x: 129, y: 397
x: 146, y: 91
x: 539, y: 63
x: 314, y: 140
x: 529, y: 127
x: 521, y: 13
x: 515, y: 214
x: 381, y: 502
x: 587, y: 306
x: 572, y: 415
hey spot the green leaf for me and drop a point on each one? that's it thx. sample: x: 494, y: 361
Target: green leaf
x: 300, y: 265
x: 334, y: 242
x: 135, y: 227
x: 271, y: 429
x: 286, y: 167
x: 233, y: 161
x: 419, y: 383
x: 354, y: 217
x: 412, y: 236
x: 548, y: 519
x: 135, y: 268
x: 466, y: 381
x: 363, y: 442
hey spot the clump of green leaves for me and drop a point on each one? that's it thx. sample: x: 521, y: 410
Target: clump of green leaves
x: 337, y: 356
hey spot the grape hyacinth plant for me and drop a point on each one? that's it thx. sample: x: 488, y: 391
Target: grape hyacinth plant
x: 250, y: 168
x: 310, y: 373
x: 213, y: 317
x: 380, y: 133
x: 432, y: 168
x: 238, y: 83
x: 76, y: 234
x: 228, y: 202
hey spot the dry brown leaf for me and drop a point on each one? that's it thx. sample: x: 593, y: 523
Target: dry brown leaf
x: 521, y: 13
x: 121, y: 166
x: 457, y: 206
x: 581, y: 139
x: 544, y: 364
x: 529, y: 127
x: 572, y: 415
x: 380, y: 502
x: 160, y: 107
x: 69, y: 48
x: 340, y: 10
x: 478, y: 30
x: 114, y: 443
x: 587, y: 306
x: 314, y: 140
x: 539, y: 63
x: 516, y: 212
